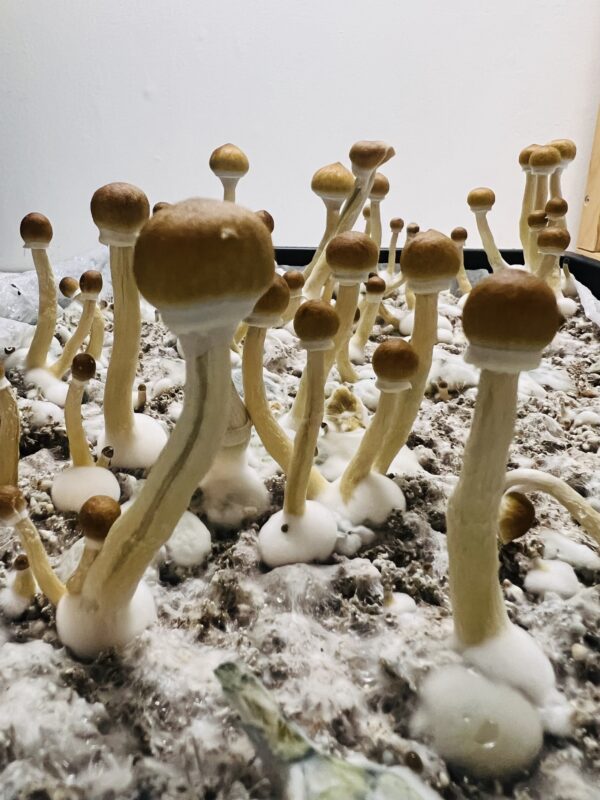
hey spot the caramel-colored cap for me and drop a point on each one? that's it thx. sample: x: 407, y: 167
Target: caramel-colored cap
x: 21, y: 563
x: 459, y: 235
x: 511, y: 310
x: 544, y: 159
x: 553, y: 240
x: 556, y: 207
x: 120, y: 208
x: 11, y: 502
x: 333, y: 182
x: 97, y: 516
x: 412, y: 229
x: 537, y: 219
x: 229, y: 161
x: 316, y: 320
x: 366, y: 212
x: 429, y: 258
x: 200, y: 250
x: 525, y: 154
x: 396, y: 224
x: 294, y: 279
x: 380, y: 188
x: 36, y: 229
x: 68, y: 286
x: 517, y: 516
x: 375, y: 285
x: 83, y: 367
x: 266, y: 219
x: 566, y: 147
x: 352, y: 252
x: 91, y: 282
x: 275, y: 300
x: 395, y: 360
x: 369, y: 155
x: 481, y: 199
x: 160, y: 205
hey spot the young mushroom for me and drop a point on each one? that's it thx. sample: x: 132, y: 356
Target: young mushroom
x: 481, y: 201
x: 528, y: 199
x: 69, y: 287
x: 551, y: 244
x: 459, y: 237
x: 374, y: 291
x: 536, y: 222
x: 96, y: 517
x: 366, y: 212
x: 36, y: 232
x: 396, y: 226
x: 412, y: 229
x: 516, y: 516
x: 295, y: 282
x: 229, y: 164
x: 267, y: 219
x: 543, y: 161
x: 305, y: 530
x: 120, y: 210
x: 83, y: 479
x: 16, y: 598
x: 10, y: 432
x: 568, y: 151
x: 379, y: 190
x: 159, y: 206
x: 556, y: 211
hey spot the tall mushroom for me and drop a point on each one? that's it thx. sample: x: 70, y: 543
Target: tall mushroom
x: 16, y: 597
x: 429, y: 262
x: 36, y: 232
x: 378, y: 193
x: 295, y: 282
x: 366, y: 212
x: 374, y: 291
x: 396, y: 226
x: 412, y: 229
x: 536, y: 222
x: 528, y: 199
x: 69, y: 287
x: 120, y: 210
x: 229, y: 164
x: 481, y: 201
x: 568, y: 151
x: 556, y: 211
x: 10, y: 432
x: 543, y: 161
x: 459, y: 237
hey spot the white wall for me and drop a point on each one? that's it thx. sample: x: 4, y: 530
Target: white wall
x: 143, y: 90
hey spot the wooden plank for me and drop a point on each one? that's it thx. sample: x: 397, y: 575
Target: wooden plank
x: 589, y: 229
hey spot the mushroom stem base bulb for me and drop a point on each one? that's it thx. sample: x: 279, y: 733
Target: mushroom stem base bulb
x: 232, y: 491
x: 138, y: 449
x: 373, y: 500
x: 73, y: 486
x: 291, y: 539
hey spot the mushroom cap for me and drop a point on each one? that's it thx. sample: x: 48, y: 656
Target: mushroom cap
x: 459, y: 235
x: 202, y: 250
x: 352, y: 252
x: 97, y: 516
x: 481, y: 199
x: 375, y: 285
x: 429, y: 257
x: 229, y: 161
x: 83, y: 367
x: 275, y: 300
x: 511, y: 310
x: 395, y: 360
x: 36, y: 229
x: 544, y: 159
x: 369, y: 155
x: 68, y: 286
x: 537, y: 219
x: 412, y: 229
x: 553, y: 240
x: 566, y: 147
x: 516, y: 517
x: 21, y: 563
x: 380, y: 188
x: 333, y: 181
x: 160, y: 205
x: 120, y: 207
x: 12, y: 502
x: 396, y: 224
x: 556, y: 207
x: 316, y: 320
x: 266, y: 219
x: 366, y: 212
x: 294, y: 279
x: 525, y: 155
x: 91, y: 282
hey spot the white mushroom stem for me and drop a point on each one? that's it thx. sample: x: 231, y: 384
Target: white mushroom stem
x: 31, y: 543
x: 387, y: 316
x: 423, y: 339
x: 391, y: 265
x: 549, y: 270
x: 10, y: 431
x: 531, y: 480
x: 96, y: 340
x: 296, y: 299
x: 46, y: 321
x: 526, y: 209
x: 333, y: 214
x: 472, y: 514
x: 78, y: 443
x: 368, y: 315
x: 72, y: 347
x: 555, y: 183
x: 229, y: 185
x: 91, y: 549
x: 487, y: 240
x: 463, y: 281
x: 275, y: 440
x: 375, y: 231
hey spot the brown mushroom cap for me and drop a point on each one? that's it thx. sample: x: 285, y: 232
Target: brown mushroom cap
x: 556, y: 207
x: 352, y: 252
x: 97, y: 515
x: 429, y: 256
x: 525, y: 154
x: 511, y: 310
x: 517, y: 516
x: 68, y: 286
x: 380, y: 188
x: 316, y: 320
x: 294, y: 279
x: 275, y: 300
x: 375, y: 285
x: 333, y: 182
x: 229, y: 161
x: 120, y: 207
x: 396, y: 224
x: 12, y: 502
x: 266, y: 219
x: 395, y: 360
x: 544, y: 159
x: 553, y: 240
x: 412, y: 229
x: 566, y: 147
x: 160, y: 205
x: 481, y: 199
x: 368, y: 155
x: 366, y: 212
x: 537, y: 219
x: 36, y: 229
x: 459, y: 235
x: 91, y: 282
x: 21, y: 563
x: 83, y: 367
x: 201, y: 250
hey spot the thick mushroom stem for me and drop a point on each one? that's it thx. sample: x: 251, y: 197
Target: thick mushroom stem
x: 367, y: 319
x: 531, y: 480
x: 46, y: 321
x: 10, y: 431
x: 459, y: 237
x: 79, y: 448
x: 71, y: 348
x: 477, y: 601
x: 346, y: 303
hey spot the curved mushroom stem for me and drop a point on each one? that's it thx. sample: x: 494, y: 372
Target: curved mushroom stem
x: 303, y: 454
x: 375, y: 231
x: 136, y: 536
x: 391, y: 265
x: 387, y: 316
x: 368, y: 315
x: 10, y: 432
x: 532, y: 480
x: 96, y: 340
x: 464, y: 284
x: 122, y: 367
x: 347, y: 300
x: 423, y: 339
x: 273, y: 437
x: 472, y: 515
x: 487, y: 240
x: 331, y: 221
x: 46, y: 321
x: 88, y: 556
x: 526, y: 209
x: 78, y: 443
x: 71, y: 348
x: 50, y: 585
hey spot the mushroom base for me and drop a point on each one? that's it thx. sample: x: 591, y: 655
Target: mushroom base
x: 52, y: 388
x: 310, y: 537
x: 232, y: 489
x: 373, y: 500
x: 138, y: 449
x: 74, y: 485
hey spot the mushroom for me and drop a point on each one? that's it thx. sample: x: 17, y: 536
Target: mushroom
x: 69, y: 287
x: 119, y: 210
x: 459, y: 237
x: 556, y: 211
x: 374, y: 291
x: 481, y: 201
x: 543, y: 161
x: 83, y: 479
x: 396, y: 226
x: 267, y: 219
x: 229, y: 164
x: 379, y: 190
x: 10, y: 432
x: 16, y: 598
x: 516, y: 516
x: 159, y: 206
x: 366, y: 212
x: 567, y: 150
x: 96, y: 517
x: 508, y: 319
x: 305, y: 530
x: 528, y: 199
x: 429, y: 262
x: 411, y: 231
x: 295, y: 282
x: 536, y: 222
x: 551, y: 244
x: 36, y: 232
